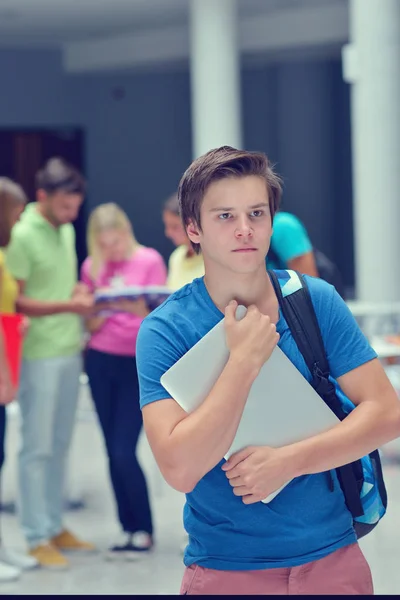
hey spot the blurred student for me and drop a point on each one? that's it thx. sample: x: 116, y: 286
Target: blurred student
x: 291, y: 247
x: 184, y: 264
x: 12, y: 203
x: 41, y: 257
x: 116, y: 259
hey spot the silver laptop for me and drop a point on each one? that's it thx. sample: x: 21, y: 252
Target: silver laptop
x: 282, y: 407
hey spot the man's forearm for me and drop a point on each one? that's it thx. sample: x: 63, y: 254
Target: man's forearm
x: 41, y: 308
x: 366, y: 428
x: 200, y: 441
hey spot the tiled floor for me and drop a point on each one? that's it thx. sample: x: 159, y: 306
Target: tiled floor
x: 161, y: 572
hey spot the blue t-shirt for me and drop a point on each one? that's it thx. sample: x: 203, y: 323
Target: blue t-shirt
x: 288, y: 241
x: 306, y: 521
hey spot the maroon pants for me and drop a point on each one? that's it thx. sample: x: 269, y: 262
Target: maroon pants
x: 345, y: 571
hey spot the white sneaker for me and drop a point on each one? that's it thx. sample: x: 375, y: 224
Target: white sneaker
x: 130, y: 546
x: 17, y: 559
x: 8, y: 573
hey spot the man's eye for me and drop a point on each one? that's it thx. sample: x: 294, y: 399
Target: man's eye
x: 257, y: 213
x: 224, y: 216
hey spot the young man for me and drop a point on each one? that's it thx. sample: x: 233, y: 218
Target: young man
x: 41, y: 256
x: 303, y: 542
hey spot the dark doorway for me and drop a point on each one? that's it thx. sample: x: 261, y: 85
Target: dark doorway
x: 24, y: 151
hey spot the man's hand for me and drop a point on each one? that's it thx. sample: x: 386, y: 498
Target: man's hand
x: 25, y: 324
x: 82, y: 304
x: 81, y: 289
x: 257, y: 471
x: 251, y: 339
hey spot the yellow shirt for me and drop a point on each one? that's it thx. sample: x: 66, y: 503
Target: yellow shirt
x: 8, y: 289
x: 182, y: 269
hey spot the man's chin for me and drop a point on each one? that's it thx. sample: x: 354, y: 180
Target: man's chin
x: 246, y: 269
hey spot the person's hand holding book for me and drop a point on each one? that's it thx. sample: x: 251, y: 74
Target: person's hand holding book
x: 257, y: 471
x: 136, y: 307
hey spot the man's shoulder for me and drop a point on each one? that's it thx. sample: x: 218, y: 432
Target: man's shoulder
x: 174, y: 308
x: 167, y: 332
x: 318, y: 286
x: 321, y: 292
x: 21, y: 230
x: 329, y: 306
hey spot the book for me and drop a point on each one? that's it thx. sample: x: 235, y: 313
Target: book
x: 154, y: 295
x: 12, y: 334
x: 282, y: 407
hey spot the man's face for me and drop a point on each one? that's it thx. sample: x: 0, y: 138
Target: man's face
x: 235, y: 223
x: 60, y: 208
x: 173, y: 228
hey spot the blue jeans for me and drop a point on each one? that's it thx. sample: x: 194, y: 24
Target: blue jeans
x: 48, y: 397
x: 115, y: 391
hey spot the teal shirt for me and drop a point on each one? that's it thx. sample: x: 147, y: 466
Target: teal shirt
x: 289, y: 240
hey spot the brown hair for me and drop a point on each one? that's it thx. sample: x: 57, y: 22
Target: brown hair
x: 59, y: 176
x: 222, y: 163
x: 10, y: 194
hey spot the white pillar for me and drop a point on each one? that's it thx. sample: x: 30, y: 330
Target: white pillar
x: 371, y: 64
x: 215, y: 75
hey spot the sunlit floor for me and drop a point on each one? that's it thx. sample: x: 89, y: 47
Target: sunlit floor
x: 159, y: 573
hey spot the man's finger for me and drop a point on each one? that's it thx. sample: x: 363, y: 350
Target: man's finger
x: 236, y: 458
x: 230, y: 311
x: 235, y: 481
x: 251, y: 499
x: 242, y: 490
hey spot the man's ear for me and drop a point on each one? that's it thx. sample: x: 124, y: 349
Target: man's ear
x: 193, y: 232
x: 41, y: 195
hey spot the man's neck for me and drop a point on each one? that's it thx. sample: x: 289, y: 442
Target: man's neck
x: 39, y: 208
x: 189, y: 251
x: 255, y: 288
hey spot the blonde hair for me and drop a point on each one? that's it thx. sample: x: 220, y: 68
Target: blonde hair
x: 11, y: 194
x: 103, y: 218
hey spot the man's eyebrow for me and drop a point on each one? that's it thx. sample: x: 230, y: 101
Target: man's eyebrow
x: 229, y: 208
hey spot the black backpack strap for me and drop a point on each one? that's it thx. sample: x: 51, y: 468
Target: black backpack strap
x: 298, y: 311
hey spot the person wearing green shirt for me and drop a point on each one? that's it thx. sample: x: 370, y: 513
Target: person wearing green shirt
x: 42, y: 258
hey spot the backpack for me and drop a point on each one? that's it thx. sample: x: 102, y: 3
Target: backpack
x: 326, y: 268
x: 361, y: 481
x: 329, y: 271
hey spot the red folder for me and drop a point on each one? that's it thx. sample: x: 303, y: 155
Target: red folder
x: 12, y: 333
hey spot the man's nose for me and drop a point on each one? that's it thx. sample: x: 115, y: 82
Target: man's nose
x: 244, y: 228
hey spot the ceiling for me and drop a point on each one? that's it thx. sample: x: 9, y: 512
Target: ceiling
x: 55, y: 22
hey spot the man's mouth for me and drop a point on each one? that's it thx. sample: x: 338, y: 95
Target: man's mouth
x: 246, y: 249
